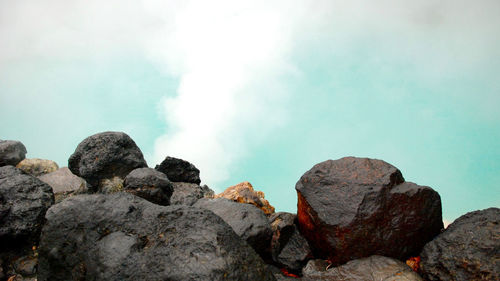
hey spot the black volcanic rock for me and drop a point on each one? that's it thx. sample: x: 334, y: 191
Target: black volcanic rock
x: 188, y: 193
x: 469, y: 249
x: 23, y: 202
x: 248, y: 221
x: 11, y: 152
x: 105, y: 156
x: 124, y: 237
x: 149, y: 184
x: 288, y: 247
x: 357, y: 207
x: 178, y: 170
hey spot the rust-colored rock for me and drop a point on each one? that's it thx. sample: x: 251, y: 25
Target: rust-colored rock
x: 357, y: 207
x: 244, y: 193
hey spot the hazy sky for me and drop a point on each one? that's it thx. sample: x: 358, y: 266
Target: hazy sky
x: 263, y: 90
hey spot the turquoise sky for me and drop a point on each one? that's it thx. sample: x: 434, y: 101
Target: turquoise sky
x: 262, y: 92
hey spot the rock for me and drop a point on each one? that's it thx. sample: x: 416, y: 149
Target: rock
x: 288, y: 247
x: 373, y: 268
x: 356, y: 207
x: 24, y: 200
x: 64, y: 183
x: 149, y: 184
x: 9, y: 171
x: 469, y: 249
x: 105, y: 156
x: 124, y: 237
x: 188, y: 193
x: 26, y: 266
x: 37, y: 167
x: 11, y: 152
x: 244, y: 193
x: 249, y: 222
x: 178, y: 170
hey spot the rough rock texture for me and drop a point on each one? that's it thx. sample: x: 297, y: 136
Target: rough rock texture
x: 244, y: 193
x: 373, y: 268
x: 149, y: 184
x: 11, y: 152
x: 356, y: 207
x: 188, y: 193
x: 469, y: 249
x: 23, y: 202
x: 105, y: 156
x: 124, y: 237
x: 37, y: 167
x: 288, y: 247
x: 64, y: 183
x: 249, y: 222
x: 9, y: 171
x: 178, y: 170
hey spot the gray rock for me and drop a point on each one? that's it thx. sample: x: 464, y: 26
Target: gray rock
x: 124, y: 237
x: 9, y: 171
x: 178, y: 170
x: 188, y: 193
x: 37, y: 167
x: 357, y: 207
x: 288, y: 247
x: 469, y: 249
x: 105, y: 156
x: 248, y: 221
x: 11, y: 152
x: 64, y: 183
x: 373, y: 268
x: 26, y: 266
x: 149, y: 184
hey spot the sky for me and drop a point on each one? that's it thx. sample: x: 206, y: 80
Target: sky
x: 261, y: 91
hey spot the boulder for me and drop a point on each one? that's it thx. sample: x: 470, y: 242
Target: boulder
x: 37, y: 167
x: 288, y: 247
x: 149, y: 184
x: 373, y: 268
x: 105, y: 156
x: 11, y: 152
x: 64, y: 183
x: 469, y: 249
x: 188, y: 193
x: 357, y: 207
x: 9, y: 171
x: 124, y: 237
x: 244, y: 193
x: 249, y: 222
x: 178, y: 170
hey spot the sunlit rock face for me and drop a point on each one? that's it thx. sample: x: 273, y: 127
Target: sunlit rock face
x: 245, y: 193
x: 357, y: 207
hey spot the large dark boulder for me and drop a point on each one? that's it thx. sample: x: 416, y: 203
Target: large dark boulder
x: 23, y: 202
x: 373, y: 268
x: 11, y: 152
x: 357, y: 207
x: 469, y: 249
x: 248, y: 221
x: 288, y: 247
x: 178, y: 170
x: 149, y: 184
x: 124, y: 237
x: 105, y: 156
x: 188, y: 193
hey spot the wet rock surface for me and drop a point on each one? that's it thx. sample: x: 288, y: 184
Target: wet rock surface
x: 188, y: 193
x: 469, y: 249
x: 124, y: 237
x: 373, y: 268
x: 149, y: 184
x: 245, y: 193
x: 178, y: 170
x: 37, y: 167
x: 11, y: 152
x: 249, y: 222
x: 357, y: 207
x: 288, y: 247
x: 105, y: 156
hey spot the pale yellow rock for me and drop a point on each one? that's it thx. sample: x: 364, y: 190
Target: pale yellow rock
x: 37, y: 167
x: 245, y: 193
